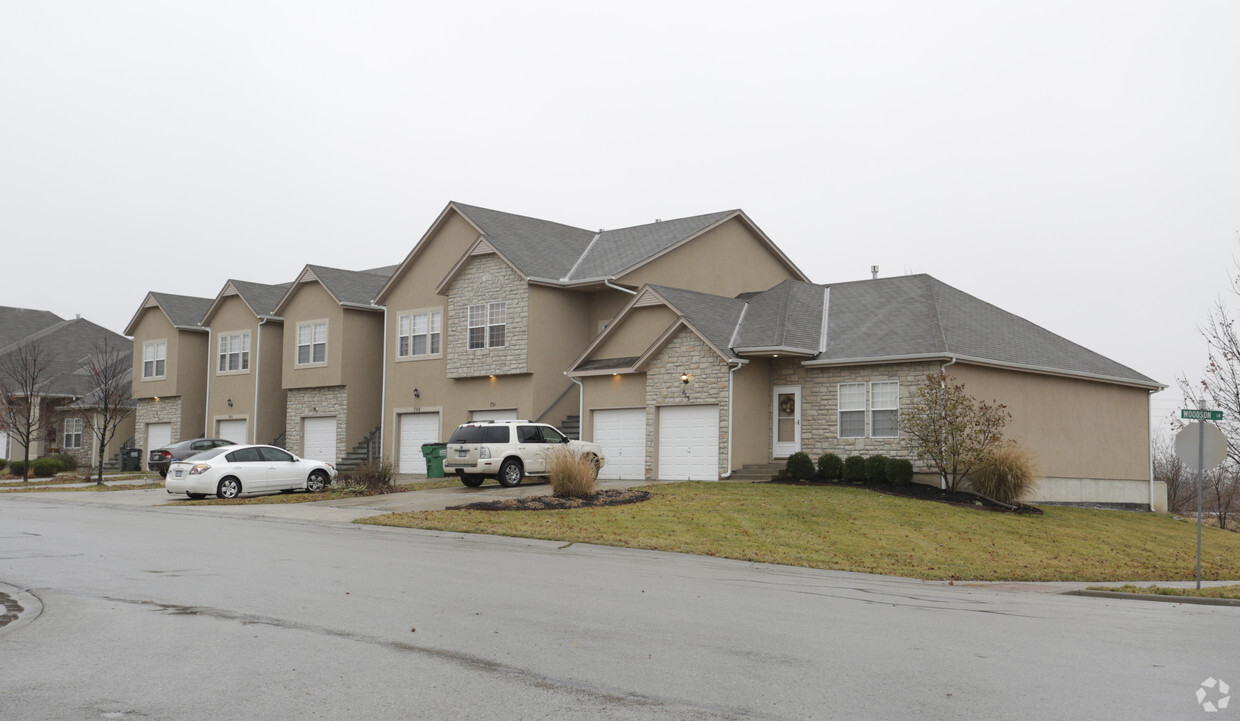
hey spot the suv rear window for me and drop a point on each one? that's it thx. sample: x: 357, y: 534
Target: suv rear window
x: 480, y: 434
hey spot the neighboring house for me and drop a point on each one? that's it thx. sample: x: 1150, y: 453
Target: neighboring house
x: 332, y: 365
x: 169, y: 369
x: 684, y: 384
x: 489, y: 308
x: 245, y: 398
x: 64, y: 403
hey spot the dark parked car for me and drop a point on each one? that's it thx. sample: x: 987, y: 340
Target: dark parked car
x: 161, y: 458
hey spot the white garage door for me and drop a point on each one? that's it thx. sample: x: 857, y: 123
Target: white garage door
x: 234, y: 430
x: 319, y: 439
x: 509, y: 414
x: 622, y: 434
x: 689, y: 443
x: 4, y: 445
x: 416, y: 429
x: 158, y: 435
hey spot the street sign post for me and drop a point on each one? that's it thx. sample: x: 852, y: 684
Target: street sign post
x: 1210, y: 449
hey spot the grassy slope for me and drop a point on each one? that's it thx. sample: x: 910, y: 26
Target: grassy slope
x: 856, y: 530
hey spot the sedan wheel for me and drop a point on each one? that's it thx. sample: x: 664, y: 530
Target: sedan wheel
x: 196, y: 496
x: 316, y: 482
x: 228, y: 488
x: 510, y: 474
x: 163, y: 473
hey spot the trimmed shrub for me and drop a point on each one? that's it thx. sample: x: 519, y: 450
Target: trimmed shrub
x: 800, y: 466
x: 17, y: 468
x: 830, y: 466
x: 46, y: 466
x: 876, y: 469
x: 69, y: 462
x: 3, y: 462
x: 854, y: 469
x: 899, y: 471
x: 572, y: 474
x: 1006, y: 474
x: 370, y: 479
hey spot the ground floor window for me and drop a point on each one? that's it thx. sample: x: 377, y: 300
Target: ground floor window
x: 73, y: 433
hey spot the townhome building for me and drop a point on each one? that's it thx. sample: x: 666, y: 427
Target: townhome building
x: 245, y: 393
x: 169, y: 369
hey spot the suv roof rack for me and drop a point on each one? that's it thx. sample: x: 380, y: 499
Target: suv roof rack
x: 510, y: 420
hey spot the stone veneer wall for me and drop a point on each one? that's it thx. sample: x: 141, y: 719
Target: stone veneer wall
x: 316, y: 403
x: 708, y: 385
x: 820, y: 407
x: 488, y: 279
x: 167, y: 410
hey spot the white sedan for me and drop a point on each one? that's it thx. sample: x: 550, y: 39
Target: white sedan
x: 232, y: 470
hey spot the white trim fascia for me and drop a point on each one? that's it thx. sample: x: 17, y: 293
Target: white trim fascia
x: 626, y: 370
x: 360, y: 306
x: 875, y: 360
x: 806, y: 352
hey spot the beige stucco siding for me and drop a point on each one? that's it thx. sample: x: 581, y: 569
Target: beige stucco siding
x: 272, y: 397
x: 362, y: 371
x: 607, y: 392
x: 232, y: 316
x: 751, y: 398
x: 726, y: 260
x: 311, y: 302
x: 636, y: 333
x: 186, y: 360
x: 1075, y: 428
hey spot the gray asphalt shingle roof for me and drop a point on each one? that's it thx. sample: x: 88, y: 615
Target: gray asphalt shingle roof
x: 185, y: 311
x: 616, y: 250
x: 786, y: 316
x: 18, y: 323
x: 354, y: 287
x: 715, y: 317
x: 261, y: 297
x: 71, y: 343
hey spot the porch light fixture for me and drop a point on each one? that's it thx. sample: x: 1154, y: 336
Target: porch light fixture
x: 416, y: 393
x: 684, y: 378
x: 230, y: 403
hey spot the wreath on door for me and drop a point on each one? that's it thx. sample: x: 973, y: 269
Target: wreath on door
x: 786, y: 405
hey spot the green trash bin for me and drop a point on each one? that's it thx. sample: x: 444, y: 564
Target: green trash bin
x: 434, y: 453
x: 131, y: 459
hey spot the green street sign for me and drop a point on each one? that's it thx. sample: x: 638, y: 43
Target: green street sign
x: 1196, y: 415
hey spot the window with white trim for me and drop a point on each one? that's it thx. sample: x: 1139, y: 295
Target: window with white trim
x: 154, y: 359
x: 419, y: 334
x: 487, y: 325
x: 234, y: 353
x: 852, y: 410
x: 73, y: 433
x: 312, y: 343
x: 885, y: 409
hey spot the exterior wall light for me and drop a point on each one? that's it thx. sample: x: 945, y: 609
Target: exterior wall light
x: 230, y: 403
x: 684, y: 378
x: 416, y: 393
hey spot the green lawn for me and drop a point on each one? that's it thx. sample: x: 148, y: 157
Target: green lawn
x: 1204, y: 592
x: 851, y: 529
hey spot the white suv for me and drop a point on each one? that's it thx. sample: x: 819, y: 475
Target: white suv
x: 508, y: 450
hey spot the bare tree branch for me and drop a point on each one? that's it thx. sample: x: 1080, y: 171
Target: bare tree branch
x: 108, y: 400
x: 951, y: 430
x: 25, y: 371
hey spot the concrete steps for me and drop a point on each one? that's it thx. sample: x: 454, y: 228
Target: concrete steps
x: 756, y: 472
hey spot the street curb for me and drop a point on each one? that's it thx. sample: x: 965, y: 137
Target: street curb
x: 29, y: 607
x: 1156, y: 597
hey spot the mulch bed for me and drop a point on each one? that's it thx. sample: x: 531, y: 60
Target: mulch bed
x: 610, y: 497
x: 922, y: 492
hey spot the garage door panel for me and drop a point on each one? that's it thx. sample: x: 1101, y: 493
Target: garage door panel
x: 234, y: 430
x: 416, y: 429
x: 158, y: 435
x: 319, y: 439
x: 622, y: 435
x: 689, y: 443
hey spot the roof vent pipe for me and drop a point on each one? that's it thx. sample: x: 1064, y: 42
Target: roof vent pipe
x: 873, y: 272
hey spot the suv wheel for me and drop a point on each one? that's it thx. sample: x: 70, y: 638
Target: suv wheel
x: 511, y: 473
x: 472, y: 481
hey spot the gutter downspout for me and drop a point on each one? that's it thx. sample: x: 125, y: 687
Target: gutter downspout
x: 258, y: 359
x: 731, y: 376
x: 581, y: 405
x: 1149, y: 444
x: 608, y: 282
x: 383, y: 381
x: 206, y: 410
x: 943, y: 386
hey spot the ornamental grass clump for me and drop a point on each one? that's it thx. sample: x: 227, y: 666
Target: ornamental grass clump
x: 370, y: 479
x: 572, y: 473
x: 1006, y: 474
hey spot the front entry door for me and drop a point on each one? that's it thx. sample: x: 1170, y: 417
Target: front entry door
x: 787, y: 430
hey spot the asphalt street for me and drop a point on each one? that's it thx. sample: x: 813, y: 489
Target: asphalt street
x: 132, y: 610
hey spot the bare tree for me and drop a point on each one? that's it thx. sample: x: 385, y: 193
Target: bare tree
x: 1219, y: 388
x: 1181, y: 481
x: 108, y: 400
x: 951, y: 430
x: 1221, y: 489
x: 25, y: 371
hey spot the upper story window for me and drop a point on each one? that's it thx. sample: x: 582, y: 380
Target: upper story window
x: 885, y: 409
x: 419, y: 334
x: 312, y: 343
x: 154, y: 359
x: 487, y: 323
x: 852, y: 410
x: 73, y: 433
x: 234, y: 353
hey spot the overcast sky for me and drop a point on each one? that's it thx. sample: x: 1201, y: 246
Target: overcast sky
x: 1075, y: 163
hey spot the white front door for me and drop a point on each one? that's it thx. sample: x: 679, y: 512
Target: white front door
x: 234, y: 430
x: 416, y: 429
x: 787, y: 413
x: 319, y: 439
x: 622, y: 434
x: 508, y: 414
x: 689, y: 443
